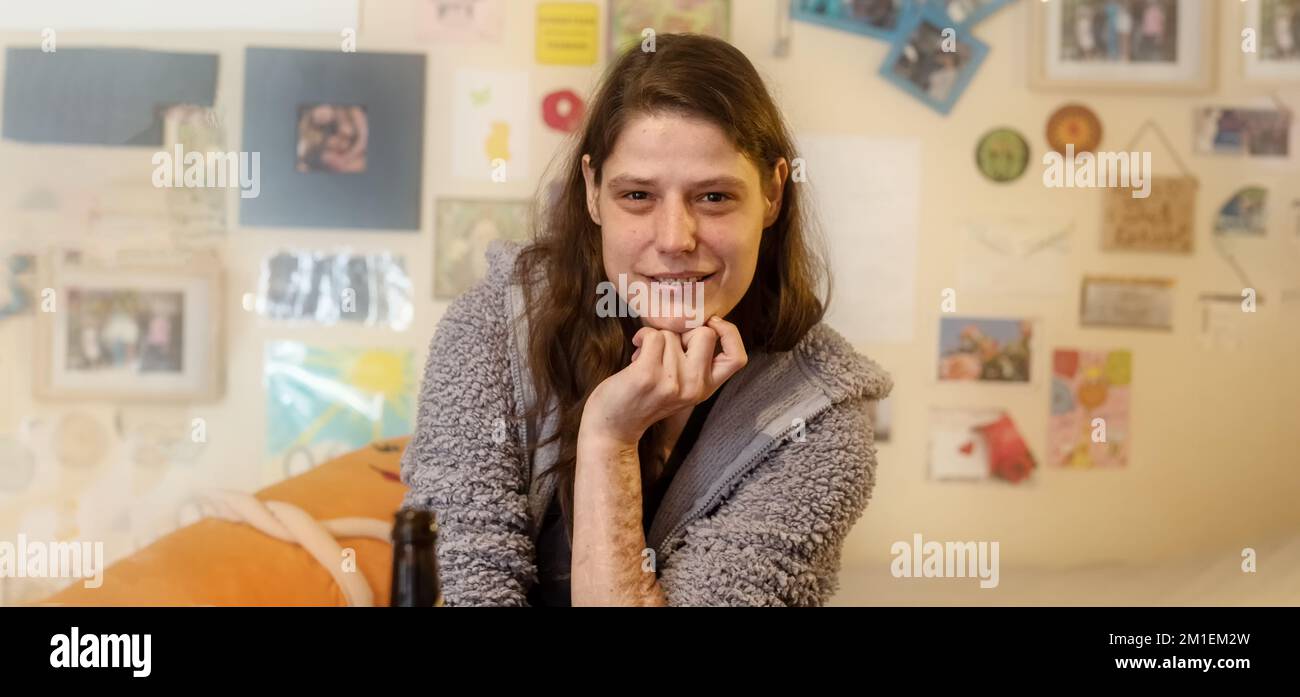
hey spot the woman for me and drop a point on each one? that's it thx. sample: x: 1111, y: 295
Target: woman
x: 712, y: 453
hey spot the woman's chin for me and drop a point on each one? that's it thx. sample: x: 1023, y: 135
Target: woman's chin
x: 679, y: 325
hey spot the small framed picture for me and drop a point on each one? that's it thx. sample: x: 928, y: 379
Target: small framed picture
x: 880, y: 19
x: 134, y: 332
x: 1274, y: 26
x: 1146, y: 45
x: 1128, y: 303
x: 931, y: 63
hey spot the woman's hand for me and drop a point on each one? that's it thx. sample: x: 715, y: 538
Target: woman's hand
x: 669, y: 372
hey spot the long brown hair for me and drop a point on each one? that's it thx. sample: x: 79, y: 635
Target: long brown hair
x: 571, y: 348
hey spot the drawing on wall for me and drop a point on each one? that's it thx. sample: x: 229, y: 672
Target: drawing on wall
x: 1089, y: 422
x: 322, y: 402
x: 491, y: 125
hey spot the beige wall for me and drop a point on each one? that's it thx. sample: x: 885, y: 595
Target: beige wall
x: 1215, y: 459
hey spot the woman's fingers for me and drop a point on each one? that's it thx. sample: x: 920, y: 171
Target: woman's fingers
x: 673, y: 358
x: 651, y: 346
x: 733, y: 356
x: 698, y: 369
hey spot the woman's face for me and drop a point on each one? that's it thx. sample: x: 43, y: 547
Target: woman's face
x: 678, y: 203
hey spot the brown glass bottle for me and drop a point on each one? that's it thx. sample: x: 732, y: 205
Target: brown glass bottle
x: 415, y: 565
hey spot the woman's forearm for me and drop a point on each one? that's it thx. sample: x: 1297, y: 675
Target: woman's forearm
x: 608, y: 538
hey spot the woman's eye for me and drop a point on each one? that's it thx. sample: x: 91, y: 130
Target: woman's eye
x: 636, y: 195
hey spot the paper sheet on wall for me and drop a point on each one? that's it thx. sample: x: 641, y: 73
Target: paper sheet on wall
x: 1015, y: 257
x: 566, y: 33
x: 490, y: 125
x: 866, y: 195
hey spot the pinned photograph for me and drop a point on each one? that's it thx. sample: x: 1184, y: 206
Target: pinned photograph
x: 1249, y: 132
x: 332, y: 138
x: 930, y: 65
x: 880, y: 19
x: 985, y: 349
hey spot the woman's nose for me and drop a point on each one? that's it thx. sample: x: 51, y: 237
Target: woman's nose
x: 676, y: 229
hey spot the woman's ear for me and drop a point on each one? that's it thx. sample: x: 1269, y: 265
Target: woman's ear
x: 774, y: 190
x: 593, y: 190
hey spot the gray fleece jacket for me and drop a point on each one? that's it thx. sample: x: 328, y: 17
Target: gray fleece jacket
x: 756, y: 515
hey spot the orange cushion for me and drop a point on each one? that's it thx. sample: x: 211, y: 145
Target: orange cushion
x: 215, y: 562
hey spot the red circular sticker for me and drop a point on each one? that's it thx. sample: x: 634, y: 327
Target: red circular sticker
x: 563, y: 110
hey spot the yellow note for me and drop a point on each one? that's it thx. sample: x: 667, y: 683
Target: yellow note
x: 566, y: 33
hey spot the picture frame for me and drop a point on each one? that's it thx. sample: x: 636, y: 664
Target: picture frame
x: 1088, y: 44
x: 1276, y: 58
x: 1120, y: 302
x: 383, y: 98
x: 885, y: 23
x: 918, y: 65
x: 130, y: 332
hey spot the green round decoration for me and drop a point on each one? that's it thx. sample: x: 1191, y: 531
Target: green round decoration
x: 1002, y: 155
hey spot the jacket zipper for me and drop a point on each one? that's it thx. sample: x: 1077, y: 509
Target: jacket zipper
x: 731, y: 481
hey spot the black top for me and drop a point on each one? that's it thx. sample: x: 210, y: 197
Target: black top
x: 553, y: 550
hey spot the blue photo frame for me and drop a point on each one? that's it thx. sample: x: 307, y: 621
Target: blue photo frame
x: 834, y: 14
x: 984, y: 9
x: 917, y: 70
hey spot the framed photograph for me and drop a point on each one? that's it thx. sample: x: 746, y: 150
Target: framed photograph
x: 965, y: 13
x: 1127, y: 303
x: 880, y: 19
x: 919, y: 63
x: 1276, y: 27
x: 985, y: 349
x: 130, y: 332
x: 1145, y: 45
